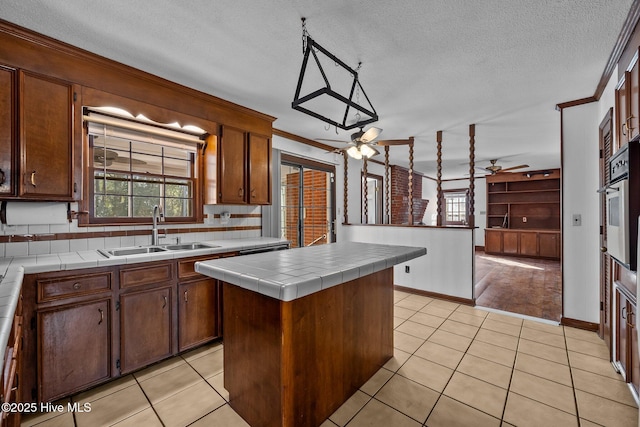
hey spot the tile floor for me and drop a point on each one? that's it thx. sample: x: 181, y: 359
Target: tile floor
x: 453, y: 366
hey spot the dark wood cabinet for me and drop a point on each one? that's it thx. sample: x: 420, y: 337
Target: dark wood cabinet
x: 627, y: 337
x: 623, y: 110
x: 11, y: 373
x: 46, y: 138
x: 8, y: 113
x: 510, y: 242
x: 259, y: 170
x: 549, y: 245
x: 74, y: 347
x: 197, y: 313
x: 146, y: 327
x: 492, y: 241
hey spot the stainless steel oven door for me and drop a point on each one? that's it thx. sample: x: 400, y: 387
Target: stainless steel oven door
x: 618, y: 221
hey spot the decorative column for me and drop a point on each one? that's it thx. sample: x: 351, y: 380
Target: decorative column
x: 365, y: 191
x: 472, y: 166
x: 387, y: 183
x: 411, y: 181
x: 346, y: 187
x: 439, y: 177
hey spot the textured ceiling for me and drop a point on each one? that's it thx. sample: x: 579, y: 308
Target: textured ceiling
x: 426, y: 65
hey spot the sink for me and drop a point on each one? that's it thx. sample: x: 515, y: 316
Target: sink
x: 131, y: 251
x: 188, y: 246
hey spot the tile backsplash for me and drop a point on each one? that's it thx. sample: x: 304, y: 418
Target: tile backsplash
x: 245, y: 221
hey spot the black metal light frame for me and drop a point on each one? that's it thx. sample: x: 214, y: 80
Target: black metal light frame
x: 298, y: 102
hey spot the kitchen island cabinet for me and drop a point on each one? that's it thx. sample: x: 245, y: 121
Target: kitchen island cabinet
x: 311, y: 339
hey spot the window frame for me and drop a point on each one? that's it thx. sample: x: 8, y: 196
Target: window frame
x: 452, y: 192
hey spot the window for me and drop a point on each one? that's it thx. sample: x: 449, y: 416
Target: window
x: 455, y: 207
x: 374, y: 199
x: 134, y: 170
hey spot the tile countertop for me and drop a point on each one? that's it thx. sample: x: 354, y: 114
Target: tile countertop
x: 12, y: 270
x: 287, y: 275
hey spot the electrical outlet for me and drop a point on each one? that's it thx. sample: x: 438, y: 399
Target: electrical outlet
x: 407, y: 269
x: 524, y: 219
x: 577, y: 220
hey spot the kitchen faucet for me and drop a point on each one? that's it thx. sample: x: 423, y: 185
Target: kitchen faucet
x: 157, y: 216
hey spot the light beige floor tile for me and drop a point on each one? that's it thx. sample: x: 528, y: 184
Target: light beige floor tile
x: 350, y: 408
x: 440, y: 354
x: 500, y: 355
x: 497, y: 338
x: 189, y: 405
x: 602, y: 386
x: 105, y: 389
x: 376, y: 413
x: 427, y: 319
x: 33, y: 418
x: 224, y: 416
x: 458, y: 328
x: 375, y: 383
x: 406, y: 342
x: 485, y: 370
x: 476, y: 393
x: 447, y: 305
x: 543, y: 337
x: 587, y: 423
x: 586, y: 347
x: 471, y: 310
x: 328, y: 423
x: 201, y: 351
x: 513, y: 320
x: 544, y: 327
x: 217, y: 382
x: 403, y: 313
x: 420, y: 298
x: 58, y: 420
x: 451, y: 413
x: 146, y: 418
x: 544, y: 391
x: 397, y: 322
x: 447, y: 339
x: 416, y: 329
x: 466, y: 318
x: 593, y: 364
x: 543, y: 351
x: 544, y: 368
x: 159, y: 368
x: 170, y: 382
x: 426, y: 373
x: 398, y: 359
x: 524, y: 412
x: 581, y: 334
x: 605, y: 412
x: 114, y: 407
x: 411, y: 304
x: 436, y: 311
x: 209, y: 365
x: 408, y: 397
x: 502, y: 327
x: 400, y: 294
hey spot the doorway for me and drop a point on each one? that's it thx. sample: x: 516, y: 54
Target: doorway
x: 308, y: 208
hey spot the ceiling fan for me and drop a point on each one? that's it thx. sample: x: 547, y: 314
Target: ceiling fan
x: 362, y: 143
x: 494, y: 169
x: 107, y: 157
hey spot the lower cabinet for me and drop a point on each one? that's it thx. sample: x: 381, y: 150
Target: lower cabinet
x: 197, y: 313
x: 145, y: 327
x: 11, y: 373
x: 528, y: 243
x: 627, y: 342
x: 74, y: 347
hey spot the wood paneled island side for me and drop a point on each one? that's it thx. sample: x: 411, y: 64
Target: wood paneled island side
x: 305, y: 328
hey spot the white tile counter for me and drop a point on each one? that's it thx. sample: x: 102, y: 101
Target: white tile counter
x: 287, y: 275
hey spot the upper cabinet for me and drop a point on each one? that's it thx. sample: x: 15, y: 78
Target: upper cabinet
x: 46, y: 138
x: 244, y: 167
x: 7, y: 129
x: 627, y: 106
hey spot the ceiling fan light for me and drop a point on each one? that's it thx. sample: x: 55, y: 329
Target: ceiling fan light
x: 367, y: 151
x: 354, y: 152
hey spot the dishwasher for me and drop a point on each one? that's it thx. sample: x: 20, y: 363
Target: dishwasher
x: 279, y: 247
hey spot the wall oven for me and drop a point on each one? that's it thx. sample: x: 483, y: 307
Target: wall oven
x: 623, y: 205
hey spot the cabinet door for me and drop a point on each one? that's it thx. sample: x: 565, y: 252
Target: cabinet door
x: 7, y: 130
x: 622, y: 111
x: 622, y: 344
x: 549, y: 245
x: 197, y: 313
x: 145, y: 327
x: 46, y: 138
x: 510, y: 242
x: 492, y: 241
x: 634, y: 101
x: 74, y: 348
x: 528, y: 243
x: 232, y: 166
x: 259, y: 170
x: 634, y: 363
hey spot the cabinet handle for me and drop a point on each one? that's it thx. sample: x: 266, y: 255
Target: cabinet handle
x: 3, y: 178
x: 622, y: 313
x: 186, y: 298
x: 624, y: 126
x: 240, y: 192
x: 253, y: 193
x: 101, y: 316
x: 77, y: 286
x: 628, y: 122
x: 33, y: 178
x: 164, y: 297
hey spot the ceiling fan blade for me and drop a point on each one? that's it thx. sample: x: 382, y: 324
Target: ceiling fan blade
x: 394, y: 142
x: 338, y: 150
x: 513, y: 167
x: 334, y: 140
x: 370, y: 134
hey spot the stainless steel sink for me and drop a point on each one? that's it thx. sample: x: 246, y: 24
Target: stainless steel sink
x: 131, y: 251
x: 188, y: 246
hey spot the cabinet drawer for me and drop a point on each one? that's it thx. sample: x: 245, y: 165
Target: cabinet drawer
x: 186, y: 268
x: 71, y: 286
x: 146, y: 274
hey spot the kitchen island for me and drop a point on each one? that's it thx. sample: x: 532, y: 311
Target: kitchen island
x: 305, y: 328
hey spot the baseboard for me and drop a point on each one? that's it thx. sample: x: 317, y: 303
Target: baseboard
x: 445, y: 297
x: 580, y: 324
x: 479, y: 248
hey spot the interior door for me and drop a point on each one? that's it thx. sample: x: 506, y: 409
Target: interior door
x: 606, y: 150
